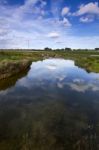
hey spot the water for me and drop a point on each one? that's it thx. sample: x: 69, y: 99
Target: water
x: 55, y: 106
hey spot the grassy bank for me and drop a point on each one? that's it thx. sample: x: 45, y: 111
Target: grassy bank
x: 13, y: 62
x: 9, y: 68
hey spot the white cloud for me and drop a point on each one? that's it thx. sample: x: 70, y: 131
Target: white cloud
x: 54, y: 35
x: 90, y: 8
x: 65, y: 11
x: 59, y: 23
x: 66, y: 22
x: 26, y: 22
x: 86, y: 19
x: 30, y: 7
x: 15, y: 24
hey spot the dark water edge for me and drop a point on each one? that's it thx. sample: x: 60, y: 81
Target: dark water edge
x: 52, y: 107
x: 11, y: 81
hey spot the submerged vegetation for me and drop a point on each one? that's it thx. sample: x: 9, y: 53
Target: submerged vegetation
x: 14, y: 61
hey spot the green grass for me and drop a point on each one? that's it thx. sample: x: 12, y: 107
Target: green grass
x: 84, y: 59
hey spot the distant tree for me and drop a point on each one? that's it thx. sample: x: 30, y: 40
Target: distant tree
x: 47, y: 49
x: 86, y: 49
x: 96, y: 49
x: 67, y: 49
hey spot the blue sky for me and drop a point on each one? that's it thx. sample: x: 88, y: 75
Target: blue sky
x: 49, y: 23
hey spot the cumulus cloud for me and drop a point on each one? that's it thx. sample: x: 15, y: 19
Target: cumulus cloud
x: 16, y: 23
x: 53, y: 35
x: 31, y: 3
x: 90, y: 8
x: 87, y: 19
x: 30, y: 7
x: 60, y: 22
x: 29, y: 20
x: 65, y: 11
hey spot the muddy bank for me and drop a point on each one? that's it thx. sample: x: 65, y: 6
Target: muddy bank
x: 11, y: 81
x: 8, y: 69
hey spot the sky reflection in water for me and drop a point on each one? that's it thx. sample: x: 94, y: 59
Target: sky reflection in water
x: 57, y: 73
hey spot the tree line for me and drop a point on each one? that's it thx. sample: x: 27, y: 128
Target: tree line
x: 69, y: 49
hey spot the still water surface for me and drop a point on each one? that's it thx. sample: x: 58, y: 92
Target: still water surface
x: 55, y: 106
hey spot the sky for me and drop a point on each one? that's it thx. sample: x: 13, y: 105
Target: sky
x: 38, y: 24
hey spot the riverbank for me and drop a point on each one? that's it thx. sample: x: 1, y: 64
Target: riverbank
x: 10, y: 68
x: 15, y: 61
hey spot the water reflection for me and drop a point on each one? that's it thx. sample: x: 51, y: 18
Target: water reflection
x: 54, y: 107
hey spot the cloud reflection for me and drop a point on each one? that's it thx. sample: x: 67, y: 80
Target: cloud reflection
x: 81, y: 85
